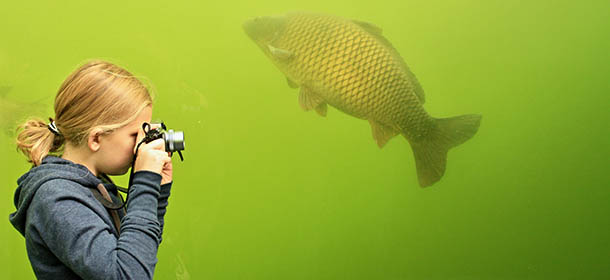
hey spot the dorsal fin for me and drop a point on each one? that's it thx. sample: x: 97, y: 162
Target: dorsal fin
x: 376, y: 32
x: 369, y: 27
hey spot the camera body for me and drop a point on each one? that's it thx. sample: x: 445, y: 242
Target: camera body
x: 174, y: 140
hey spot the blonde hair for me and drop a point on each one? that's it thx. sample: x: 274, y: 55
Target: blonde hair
x: 98, y: 94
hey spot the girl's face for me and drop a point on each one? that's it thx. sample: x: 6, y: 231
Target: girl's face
x: 117, y: 148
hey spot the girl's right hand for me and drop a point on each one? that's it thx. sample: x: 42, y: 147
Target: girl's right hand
x: 152, y: 157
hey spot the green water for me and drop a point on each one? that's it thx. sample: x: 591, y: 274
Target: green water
x: 268, y: 191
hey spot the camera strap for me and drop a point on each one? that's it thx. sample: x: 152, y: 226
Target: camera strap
x: 106, y: 200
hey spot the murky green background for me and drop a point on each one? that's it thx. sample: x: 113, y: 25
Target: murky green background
x: 268, y: 191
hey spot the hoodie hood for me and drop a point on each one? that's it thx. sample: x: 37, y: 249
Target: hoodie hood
x: 51, y: 168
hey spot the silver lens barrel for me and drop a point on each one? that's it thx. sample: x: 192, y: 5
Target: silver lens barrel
x: 174, y: 140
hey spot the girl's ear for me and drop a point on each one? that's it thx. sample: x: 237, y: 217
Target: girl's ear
x: 94, y: 138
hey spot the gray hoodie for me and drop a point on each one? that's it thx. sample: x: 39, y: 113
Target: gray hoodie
x: 70, y: 235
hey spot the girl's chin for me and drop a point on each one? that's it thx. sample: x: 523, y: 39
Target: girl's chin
x: 119, y: 172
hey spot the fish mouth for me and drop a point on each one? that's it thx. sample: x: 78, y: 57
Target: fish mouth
x: 250, y: 26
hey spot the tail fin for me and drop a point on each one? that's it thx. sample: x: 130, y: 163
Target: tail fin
x: 431, y: 152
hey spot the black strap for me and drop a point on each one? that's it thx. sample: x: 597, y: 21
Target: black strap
x: 112, y: 205
x: 102, y: 196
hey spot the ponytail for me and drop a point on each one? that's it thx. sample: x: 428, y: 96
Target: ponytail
x: 36, y: 140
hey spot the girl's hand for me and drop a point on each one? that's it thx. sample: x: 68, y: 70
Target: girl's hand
x: 166, y: 170
x: 152, y: 157
x: 166, y: 173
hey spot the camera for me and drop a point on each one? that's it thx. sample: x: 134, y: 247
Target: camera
x: 174, y: 140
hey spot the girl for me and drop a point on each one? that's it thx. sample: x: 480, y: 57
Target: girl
x: 69, y: 233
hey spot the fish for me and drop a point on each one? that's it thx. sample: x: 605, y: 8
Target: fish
x: 349, y: 65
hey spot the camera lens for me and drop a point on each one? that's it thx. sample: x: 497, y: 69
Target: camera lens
x: 174, y: 140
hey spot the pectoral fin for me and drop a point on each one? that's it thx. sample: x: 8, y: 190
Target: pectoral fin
x: 309, y: 100
x: 291, y: 83
x: 321, y: 109
x: 280, y: 54
x: 382, y: 133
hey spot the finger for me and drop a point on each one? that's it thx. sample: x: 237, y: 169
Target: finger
x: 160, y: 157
x: 161, y: 154
x: 166, y: 159
x: 157, y: 144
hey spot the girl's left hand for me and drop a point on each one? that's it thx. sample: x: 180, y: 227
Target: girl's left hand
x: 166, y: 173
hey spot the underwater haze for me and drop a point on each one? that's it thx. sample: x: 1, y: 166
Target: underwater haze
x: 269, y: 191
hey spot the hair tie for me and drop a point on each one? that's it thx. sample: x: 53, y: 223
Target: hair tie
x: 53, y: 128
